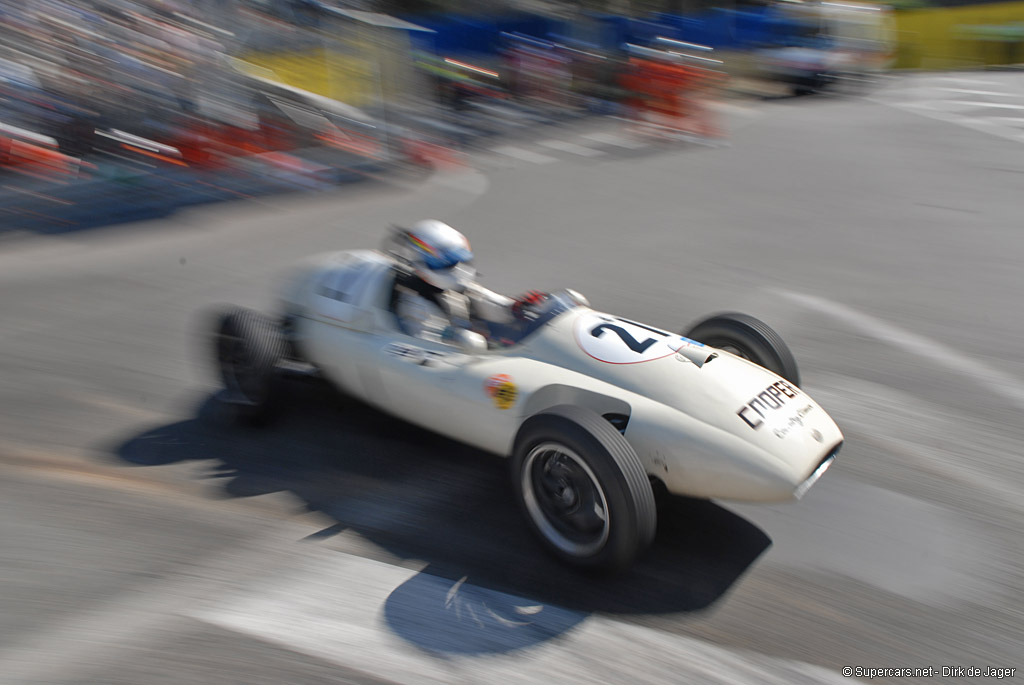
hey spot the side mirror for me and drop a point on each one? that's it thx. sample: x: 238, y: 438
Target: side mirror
x: 470, y: 342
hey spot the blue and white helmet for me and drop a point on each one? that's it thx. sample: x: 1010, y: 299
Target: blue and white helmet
x: 435, y: 252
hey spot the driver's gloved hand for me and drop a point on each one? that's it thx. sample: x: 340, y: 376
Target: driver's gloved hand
x: 527, y: 299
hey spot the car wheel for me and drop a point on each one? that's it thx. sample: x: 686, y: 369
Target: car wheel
x: 749, y: 338
x: 583, y: 489
x: 248, y: 347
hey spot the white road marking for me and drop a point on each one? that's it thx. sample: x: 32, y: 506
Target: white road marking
x: 999, y: 382
x: 915, y: 430
x: 741, y: 110
x: 84, y: 638
x: 969, y: 81
x: 572, y: 148
x: 932, y: 111
x: 891, y: 541
x: 980, y: 121
x: 93, y: 637
x: 968, y: 91
x: 524, y: 155
x: 416, y: 628
x: 616, y: 140
x: 982, y: 103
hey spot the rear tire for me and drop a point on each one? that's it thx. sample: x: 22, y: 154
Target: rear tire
x: 249, y: 346
x: 584, y: 491
x: 749, y: 338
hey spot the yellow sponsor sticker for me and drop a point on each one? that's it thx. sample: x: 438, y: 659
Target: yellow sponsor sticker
x: 502, y: 390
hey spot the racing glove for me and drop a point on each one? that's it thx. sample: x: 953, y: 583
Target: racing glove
x: 527, y: 299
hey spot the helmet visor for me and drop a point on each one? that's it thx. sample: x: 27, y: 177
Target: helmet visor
x: 455, y: 278
x: 439, y: 260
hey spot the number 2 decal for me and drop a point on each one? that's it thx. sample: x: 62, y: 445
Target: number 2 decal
x: 621, y: 341
x: 631, y: 342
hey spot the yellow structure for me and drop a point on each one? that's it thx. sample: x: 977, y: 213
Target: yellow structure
x: 966, y: 36
x: 960, y: 37
x: 325, y: 72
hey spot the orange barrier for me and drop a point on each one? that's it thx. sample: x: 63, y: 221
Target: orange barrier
x: 672, y: 95
x: 39, y: 161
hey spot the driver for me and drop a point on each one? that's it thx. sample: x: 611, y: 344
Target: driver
x: 436, y: 294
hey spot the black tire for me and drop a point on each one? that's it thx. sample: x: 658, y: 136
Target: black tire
x: 566, y: 458
x: 749, y: 338
x: 249, y: 346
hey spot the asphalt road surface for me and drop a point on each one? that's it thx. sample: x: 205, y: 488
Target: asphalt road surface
x: 144, y: 541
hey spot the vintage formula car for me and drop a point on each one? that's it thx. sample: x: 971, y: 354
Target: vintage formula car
x: 594, y: 411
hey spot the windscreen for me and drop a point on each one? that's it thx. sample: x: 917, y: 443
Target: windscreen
x: 534, y: 318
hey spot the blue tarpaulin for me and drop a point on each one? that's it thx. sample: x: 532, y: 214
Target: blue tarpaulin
x: 717, y: 28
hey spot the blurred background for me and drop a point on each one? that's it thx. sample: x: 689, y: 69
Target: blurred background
x: 105, y: 102
x: 117, y: 97
x: 220, y: 99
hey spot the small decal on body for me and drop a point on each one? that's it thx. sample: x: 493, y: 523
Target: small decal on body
x: 501, y: 390
x: 797, y: 420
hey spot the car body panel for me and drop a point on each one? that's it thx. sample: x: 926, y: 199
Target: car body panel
x: 705, y: 422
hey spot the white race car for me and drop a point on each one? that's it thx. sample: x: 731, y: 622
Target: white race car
x: 594, y: 411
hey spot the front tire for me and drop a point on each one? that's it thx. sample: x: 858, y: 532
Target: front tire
x: 749, y: 338
x: 584, y: 491
x: 248, y: 347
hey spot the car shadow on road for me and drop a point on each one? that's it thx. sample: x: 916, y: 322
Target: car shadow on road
x: 421, y: 496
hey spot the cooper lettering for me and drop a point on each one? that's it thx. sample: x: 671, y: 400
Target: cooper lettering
x: 754, y: 404
x: 771, y: 398
x: 785, y: 388
x: 743, y: 415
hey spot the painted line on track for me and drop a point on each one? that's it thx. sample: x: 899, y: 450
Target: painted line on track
x: 523, y: 155
x: 927, y: 109
x: 968, y: 91
x: 961, y: 79
x: 413, y: 627
x: 982, y: 104
x: 996, y: 381
x: 98, y: 635
x: 732, y: 107
x: 572, y: 148
x: 617, y: 140
x: 388, y: 621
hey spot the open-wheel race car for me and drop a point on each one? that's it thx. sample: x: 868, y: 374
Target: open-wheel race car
x: 594, y: 411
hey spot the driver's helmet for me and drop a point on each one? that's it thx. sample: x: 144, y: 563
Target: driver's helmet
x: 435, y: 252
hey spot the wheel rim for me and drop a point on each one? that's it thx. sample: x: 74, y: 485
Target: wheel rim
x: 236, y: 368
x: 565, y: 499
